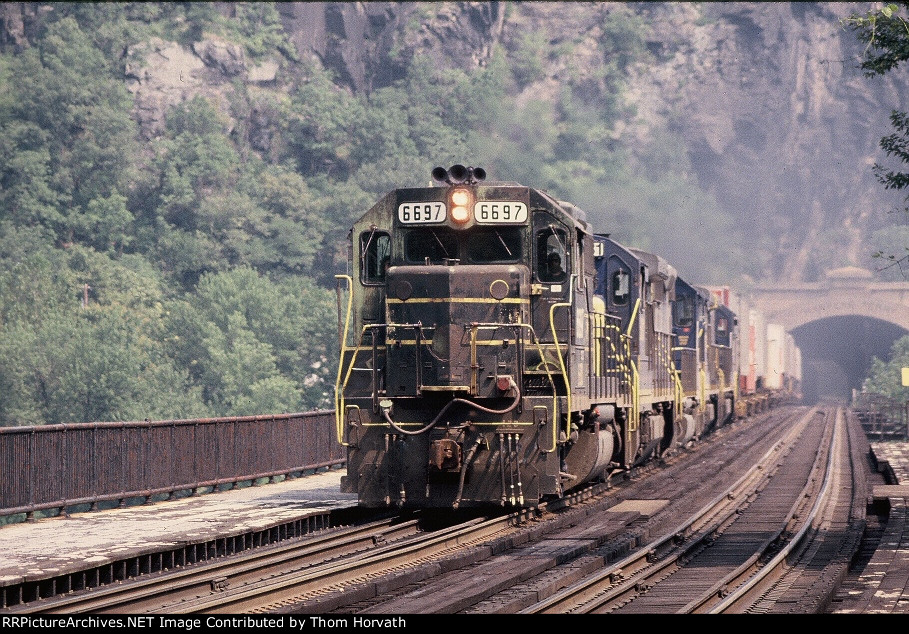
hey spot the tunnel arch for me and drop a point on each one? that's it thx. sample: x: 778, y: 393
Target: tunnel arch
x: 796, y: 312
x: 837, y: 352
x: 839, y: 324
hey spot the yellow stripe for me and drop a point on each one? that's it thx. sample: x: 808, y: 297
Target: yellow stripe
x: 510, y: 423
x: 428, y: 342
x: 457, y: 300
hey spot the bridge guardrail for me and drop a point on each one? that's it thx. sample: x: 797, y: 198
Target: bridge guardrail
x: 60, y: 466
x: 882, y: 418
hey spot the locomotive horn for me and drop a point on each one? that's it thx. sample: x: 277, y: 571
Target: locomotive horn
x: 440, y: 174
x: 458, y: 174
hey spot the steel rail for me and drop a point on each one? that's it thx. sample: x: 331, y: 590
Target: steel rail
x: 746, y: 592
x: 631, y: 574
x: 297, y: 585
x: 216, y: 575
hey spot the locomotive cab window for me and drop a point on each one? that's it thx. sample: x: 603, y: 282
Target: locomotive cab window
x: 683, y: 311
x: 375, y: 251
x: 620, y: 285
x: 486, y: 246
x: 721, y: 338
x: 433, y: 245
x: 552, y: 256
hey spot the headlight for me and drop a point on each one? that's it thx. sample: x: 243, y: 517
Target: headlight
x: 461, y: 202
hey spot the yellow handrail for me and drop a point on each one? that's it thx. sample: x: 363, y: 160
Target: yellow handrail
x: 339, y: 395
x: 558, y: 347
x: 635, y: 377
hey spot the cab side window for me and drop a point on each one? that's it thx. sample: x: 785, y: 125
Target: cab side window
x: 375, y: 253
x: 552, y: 256
x: 620, y: 285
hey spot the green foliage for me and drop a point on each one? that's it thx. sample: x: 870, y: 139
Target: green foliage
x: 27, y: 194
x: 112, y: 26
x: 886, y: 34
x: 198, y: 168
x: 291, y: 231
x: 257, y: 25
x: 321, y: 122
x: 65, y: 132
x: 196, y: 158
x: 528, y: 60
x: 622, y: 42
x: 189, y: 276
x: 65, y: 360
x: 33, y: 275
x: 242, y: 336
x: 895, y: 145
x: 885, y: 377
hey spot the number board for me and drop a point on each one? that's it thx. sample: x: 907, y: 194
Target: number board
x: 422, y: 213
x: 500, y: 212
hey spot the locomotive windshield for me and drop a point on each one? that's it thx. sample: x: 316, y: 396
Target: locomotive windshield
x: 479, y: 246
x: 433, y: 245
x: 621, y: 289
x: 485, y: 246
x: 683, y: 311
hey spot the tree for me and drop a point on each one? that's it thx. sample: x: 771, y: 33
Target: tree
x: 67, y: 140
x: 66, y: 360
x: 885, y: 377
x: 255, y: 346
x: 886, y: 35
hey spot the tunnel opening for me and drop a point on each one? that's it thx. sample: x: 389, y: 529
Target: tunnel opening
x: 837, y: 354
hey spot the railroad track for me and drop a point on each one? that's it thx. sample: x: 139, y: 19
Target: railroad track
x: 728, y: 556
x: 783, y: 579
x: 605, y: 541
x: 619, y: 538
x: 148, y: 592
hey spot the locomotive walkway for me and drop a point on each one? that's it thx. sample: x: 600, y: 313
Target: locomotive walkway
x: 113, y: 542
x: 52, y: 547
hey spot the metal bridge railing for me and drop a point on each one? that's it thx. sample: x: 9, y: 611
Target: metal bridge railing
x: 882, y: 418
x: 58, y: 466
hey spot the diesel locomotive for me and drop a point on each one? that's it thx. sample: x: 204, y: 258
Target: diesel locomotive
x: 495, y: 350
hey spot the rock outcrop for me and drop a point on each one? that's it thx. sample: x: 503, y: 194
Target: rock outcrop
x: 779, y: 123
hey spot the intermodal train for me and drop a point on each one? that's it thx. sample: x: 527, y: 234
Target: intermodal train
x: 495, y: 350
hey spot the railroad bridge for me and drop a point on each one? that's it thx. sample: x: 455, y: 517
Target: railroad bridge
x: 839, y: 324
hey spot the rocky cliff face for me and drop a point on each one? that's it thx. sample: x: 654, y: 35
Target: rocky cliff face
x: 778, y: 122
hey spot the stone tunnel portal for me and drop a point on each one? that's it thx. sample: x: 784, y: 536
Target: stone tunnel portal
x: 837, y: 353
